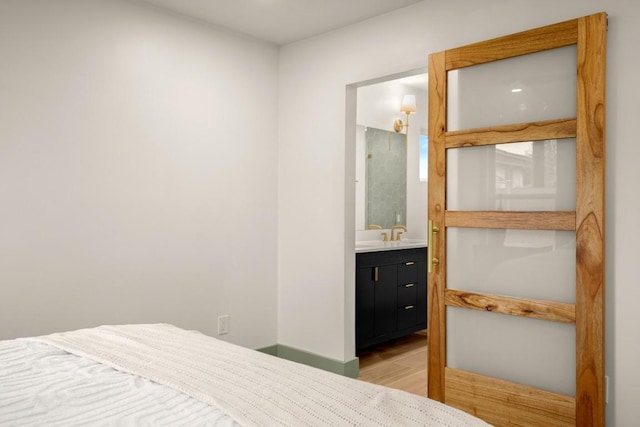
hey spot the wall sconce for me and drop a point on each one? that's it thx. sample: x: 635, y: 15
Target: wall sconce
x: 408, y: 106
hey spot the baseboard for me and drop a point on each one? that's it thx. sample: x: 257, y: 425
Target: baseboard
x: 271, y: 350
x: 349, y: 368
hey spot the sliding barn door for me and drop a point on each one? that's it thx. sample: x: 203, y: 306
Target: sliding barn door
x: 516, y: 215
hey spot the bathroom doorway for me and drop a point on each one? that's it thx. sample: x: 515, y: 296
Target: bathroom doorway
x: 391, y: 191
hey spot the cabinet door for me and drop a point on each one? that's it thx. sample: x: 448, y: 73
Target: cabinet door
x: 365, y: 304
x: 386, y: 300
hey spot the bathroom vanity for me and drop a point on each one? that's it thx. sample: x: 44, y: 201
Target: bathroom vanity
x: 391, y: 291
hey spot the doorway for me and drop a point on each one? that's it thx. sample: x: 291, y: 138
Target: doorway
x: 391, y: 190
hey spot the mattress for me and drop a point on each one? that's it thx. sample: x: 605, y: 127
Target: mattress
x: 162, y: 375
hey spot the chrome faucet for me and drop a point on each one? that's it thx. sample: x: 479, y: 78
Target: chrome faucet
x: 397, y: 227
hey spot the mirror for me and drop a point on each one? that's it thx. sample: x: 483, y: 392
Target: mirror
x: 385, y: 178
x: 389, y: 187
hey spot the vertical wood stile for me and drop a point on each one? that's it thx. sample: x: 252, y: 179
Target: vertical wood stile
x: 590, y: 173
x: 436, y: 279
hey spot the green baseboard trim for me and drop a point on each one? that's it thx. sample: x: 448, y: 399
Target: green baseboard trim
x: 350, y: 368
x: 271, y: 350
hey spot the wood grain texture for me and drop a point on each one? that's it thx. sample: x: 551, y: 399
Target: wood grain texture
x: 534, y: 131
x: 535, y: 309
x: 590, y: 218
x: 558, y: 220
x: 400, y: 364
x: 498, y: 401
x: 484, y: 397
x: 437, y: 173
x: 549, y: 37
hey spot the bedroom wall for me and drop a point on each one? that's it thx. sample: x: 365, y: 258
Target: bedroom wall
x: 316, y: 261
x: 138, y: 170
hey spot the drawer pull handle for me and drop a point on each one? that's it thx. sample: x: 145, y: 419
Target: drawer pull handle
x: 375, y: 274
x: 409, y: 263
x: 409, y: 307
x: 409, y: 285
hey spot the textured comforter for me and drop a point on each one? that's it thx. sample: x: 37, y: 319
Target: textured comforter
x: 251, y: 388
x: 41, y: 385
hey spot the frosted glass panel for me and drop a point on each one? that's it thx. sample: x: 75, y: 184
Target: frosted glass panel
x: 527, y: 351
x: 520, y: 176
x: 535, y: 87
x: 537, y: 264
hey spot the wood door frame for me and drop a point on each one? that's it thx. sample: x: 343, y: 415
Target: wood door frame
x: 588, y: 127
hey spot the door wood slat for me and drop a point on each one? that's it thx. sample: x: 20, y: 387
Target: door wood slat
x: 485, y: 396
x: 534, y: 309
x: 556, y: 220
x: 535, y: 131
x: 525, y: 42
x: 437, y: 174
x: 590, y: 205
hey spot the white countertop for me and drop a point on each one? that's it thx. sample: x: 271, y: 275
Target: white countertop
x: 379, y: 245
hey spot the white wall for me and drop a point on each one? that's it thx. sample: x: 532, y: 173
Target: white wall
x: 316, y: 167
x: 138, y: 171
x: 361, y: 178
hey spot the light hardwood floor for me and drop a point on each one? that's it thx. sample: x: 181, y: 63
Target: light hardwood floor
x: 401, y: 364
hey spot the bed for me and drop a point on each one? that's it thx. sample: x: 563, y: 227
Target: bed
x: 159, y: 374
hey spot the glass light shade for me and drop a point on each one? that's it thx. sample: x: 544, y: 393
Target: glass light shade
x: 408, y: 104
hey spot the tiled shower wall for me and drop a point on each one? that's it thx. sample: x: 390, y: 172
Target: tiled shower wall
x: 386, y: 178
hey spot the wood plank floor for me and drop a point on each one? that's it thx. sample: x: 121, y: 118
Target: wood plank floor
x: 401, y: 364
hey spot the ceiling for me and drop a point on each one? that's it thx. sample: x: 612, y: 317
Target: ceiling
x: 281, y: 21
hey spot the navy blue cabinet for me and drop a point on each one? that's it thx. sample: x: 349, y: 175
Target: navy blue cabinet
x: 391, y: 295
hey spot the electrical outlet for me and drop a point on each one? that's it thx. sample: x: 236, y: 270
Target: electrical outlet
x: 223, y: 324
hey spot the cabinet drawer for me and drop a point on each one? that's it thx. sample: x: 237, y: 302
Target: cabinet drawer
x: 407, y: 294
x: 407, y: 272
x: 407, y: 317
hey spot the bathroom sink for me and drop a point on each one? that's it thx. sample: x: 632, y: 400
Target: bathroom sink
x: 369, y: 245
x: 407, y: 243
x: 379, y: 245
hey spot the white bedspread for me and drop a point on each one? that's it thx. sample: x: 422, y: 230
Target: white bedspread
x: 42, y: 385
x: 254, y: 389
